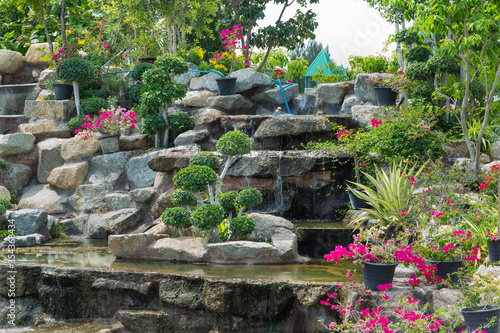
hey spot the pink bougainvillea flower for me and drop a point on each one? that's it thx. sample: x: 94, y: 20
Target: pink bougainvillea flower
x: 362, y: 165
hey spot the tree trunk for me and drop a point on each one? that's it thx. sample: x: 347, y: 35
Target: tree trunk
x: 46, y: 29
x: 63, y: 23
x: 167, y: 129
x: 398, y: 50
x: 77, y: 96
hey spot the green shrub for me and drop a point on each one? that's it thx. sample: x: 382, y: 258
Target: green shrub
x: 228, y: 201
x: 195, y: 178
x: 179, y: 123
x: 249, y: 197
x: 177, y: 217
x: 418, y: 54
x: 93, y: 105
x: 234, y: 143
x: 206, y: 158
x: 406, y: 37
x: 3, y: 164
x: 207, y: 217
x: 14, y: 199
x: 152, y: 124
x: 74, y: 69
x: 140, y: 69
x: 76, y: 123
x: 5, y: 205
x: 423, y: 90
x: 134, y: 93
x: 418, y: 71
x: 181, y: 197
x: 242, y: 225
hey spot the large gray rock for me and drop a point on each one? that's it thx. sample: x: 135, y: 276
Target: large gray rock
x: 35, y: 54
x: 495, y: 150
x: 231, y: 104
x: 43, y: 128
x: 142, y: 195
x: 107, y: 168
x: 163, y: 202
x: 24, y: 241
x: 172, y: 159
x: 363, y: 114
x: 88, y: 198
x: 138, y: 172
x: 125, y: 245
x: 205, y: 82
x: 45, y: 76
x: 76, y: 148
x: 74, y: 226
x: 13, y: 144
x: 249, y: 78
x: 331, y: 96
x: 274, y: 96
x: 291, y: 125
x: 29, y: 221
x: 191, y: 137
x: 196, y: 99
x: 242, y: 252
x: 113, y: 223
x: 305, y: 104
x: 350, y: 100
x: 266, y: 226
x: 207, y: 116
x: 68, y: 176
x: 117, y: 201
x: 49, y: 157
x: 15, y: 177
x: 4, y: 193
x: 43, y: 197
x: 185, y: 78
x: 132, y: 142
x: 364, y: 89
x: 11, y: 62
x: 287, y: 248
x: 51, y: 110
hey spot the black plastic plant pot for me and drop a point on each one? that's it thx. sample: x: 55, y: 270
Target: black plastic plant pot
x: 375, y: 274
x: 62, y: 91
x: 447, y: 269
x: 385, y: 96
x: 494, y: 251
x: 150, y: 60
x: 357, y: 203
x: 227, y: 85
x: 477, y: 317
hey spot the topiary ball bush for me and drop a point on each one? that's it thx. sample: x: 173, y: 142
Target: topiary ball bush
x: 140, y: 68
x: 418, y: 54
x: 234, y: 143
x: 76, y: 123
x: 74, y: 69
x: 242, y: 225
x: 177, y: 217
x: 134, y: 93
x: 249, y: 197
x: 182, y: 197
x: 228, y: 201
x: 5, y: 205
x: 93, y: 105
x: 207, y: 217
x: 206, y: 158
x: 195, y: 178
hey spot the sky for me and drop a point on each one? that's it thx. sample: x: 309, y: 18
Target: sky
x: 348, y: 27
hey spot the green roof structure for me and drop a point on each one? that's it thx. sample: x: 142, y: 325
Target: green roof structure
x: 322, y: 60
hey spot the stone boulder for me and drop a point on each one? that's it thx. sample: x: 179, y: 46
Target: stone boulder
x: 132, y: 142
x: 30, y: 221
x: 125, y: 245
x: 287, y: 248
x: 172, y: 159
x: 15, y: 177
x: 266, y: 226
x: 18, y: 143
x: 49, y: 158
x: 364, y: 89
x: 76, y: 148
x: 163, y: 202
x: 142, y: 195
x: 191, y: 137
x: 185, y: 78
x: 290, y: 126
x: 138, y: 172
x: 43, y: 197
x: 231, y: 104
x: 249, y: 78
x: 495, y: 150
x: 331, y: 96
x: 363, y: 114
x: 43, y: 128
x: 11, y: 62
x: 487, y: 167
x: 117, y: 201
x: 68, y: 176
x: 196, y: 99
x: 45, y: 76
x: 275, y: 97
x: 205, y: 82
x: 207, y: 116
x: 50, y: 110
x: 242, y: 252
x: 305, y: 104
x: 113, y: 223
x: 35, y: 54
x: 76, y: 226
x: 88, y: 198
x: 4, y: 193
x: 350, y: 100
x: 107, y: 168
x: 24, y: 241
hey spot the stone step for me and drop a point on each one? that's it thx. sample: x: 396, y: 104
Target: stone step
x: 13, y: 96
x: 44, y: 128
x: 50, y: 110
x: 10, y: 123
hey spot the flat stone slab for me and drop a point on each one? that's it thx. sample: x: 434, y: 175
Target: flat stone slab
x: 242, y: 252
x: 50, y: 110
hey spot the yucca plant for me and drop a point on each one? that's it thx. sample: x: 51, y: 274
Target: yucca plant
x: 388, y: 194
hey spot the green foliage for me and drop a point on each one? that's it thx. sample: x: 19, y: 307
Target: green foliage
x: 228, y: 201
x: 242, y: 225
x: 404, y: 36
x: 446, y: 64
x: 369, y: 64
x: 134, y: 93
x: 336, y: 74
x: 195, y: 178
x: 207, y: 217
x: 177, y: 217
x: 249, y: 197
x: 223, y: 230
x: 140, y: 69
x: 57, y: 231
x: 207, y: 158
x: 422, y: 90
x: 418, y: 54
x: 76, y: 123
x: 14, y: 199
x: 74, y: 69
x: 234, y: 143
x: 5, y: 205
x: 179, y: 123
x: 3, y: 164
x: 151, y: 124
x: 182, y: 197
x: 418, y: 71
x: 93, y: 105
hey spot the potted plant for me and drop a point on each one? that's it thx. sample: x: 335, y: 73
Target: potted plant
x: 75, y: 69
x: 111, y: 122
x: 387, y: 87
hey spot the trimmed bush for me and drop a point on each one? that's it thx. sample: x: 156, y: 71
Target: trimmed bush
x: 228, y: 201
x: 181, y: 197
x: 418, y: 54
x: 206, y: 158
x: 93, y: 105
x: 5, y: 205
x: 74, y: 69
x: 76, y: 123
x: 234, y: 143
x: 207, y: 217
x: 242, y: 225
x: 140, y: 68
x: 195, y: 178
x: 177, y: 217
x: 179, y: 123
x: 134, y: 93
x: 249, y: 197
